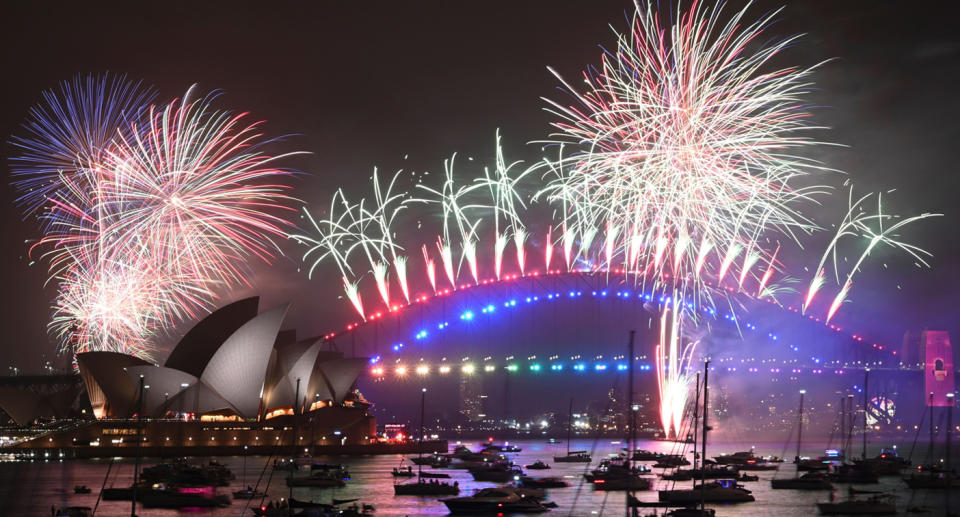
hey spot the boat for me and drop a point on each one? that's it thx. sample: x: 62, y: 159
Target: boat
x: 645, y: 455
x: 183, y: 497
x: 549, y: 482
x: 757, y: 465
x: 709, y: 472
x: 421, y: 487
x: 747, y: 477
x: 737, y: 458
x: 619, y: 473
x: 296, y: 503
x: 496, y: 473
x: 82, y: 489
x: 876, y: 505
x: 629, y: 482
x: 506, y: 447
x: 853, y: 474
x: 332, y: 470
x: 537, y: 465
x: 669, y: 461
x: 403, y: 472
x: 692, y: 512
x: 809, y: 481
x: 316, y: 481
x: 435, y: 475
x: 74, y: 511
x: 285, y: 464
x: 932, y: 479
x: 499, y: 501
x: 248, y: 493
x: 934, y: 476
x: 718, y: 491
x: 887, y: 463
x: 434, y: 460
x: 613, y: 469
x: 462, y: 453
x: 572, y: 456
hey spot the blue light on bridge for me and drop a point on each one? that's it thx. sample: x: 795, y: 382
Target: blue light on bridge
x: 558, y: 367
x: 535, y: 367
x: 622, y: 367
x: 467, y: 316
x: 600, y: 367
x: 579, y: 367
x: 422, y: 334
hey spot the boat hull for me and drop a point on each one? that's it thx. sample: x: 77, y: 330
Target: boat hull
x: 847, y: 508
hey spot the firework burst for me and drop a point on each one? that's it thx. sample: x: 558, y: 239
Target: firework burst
x: 149, y: 218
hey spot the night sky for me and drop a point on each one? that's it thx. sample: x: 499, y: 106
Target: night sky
x: 361, y: 84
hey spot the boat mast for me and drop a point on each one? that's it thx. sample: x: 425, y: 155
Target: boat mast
x: 631, y: 420
x: 136, y: 465
x: 949, y: 470
x: 930, y: 452
x: 423, y: 400
x: 849, y: 445
x: 843, y: 423
x: 800, y: 426
x: 696, y: 421
x: 569, y: 425
x: 296, y: 399
x: 866, y: 408
x: 703, y: 443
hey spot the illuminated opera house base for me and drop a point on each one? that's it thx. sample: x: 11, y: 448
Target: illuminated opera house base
x: 237, y: 381
x: 330, y: 430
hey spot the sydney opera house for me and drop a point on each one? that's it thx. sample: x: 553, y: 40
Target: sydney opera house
x: 236, y: 379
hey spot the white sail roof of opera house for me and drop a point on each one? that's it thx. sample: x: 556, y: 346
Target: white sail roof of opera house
x: 200, y: 343
x: 161, y: 384
x: 292, y: 362
x: 238, y: 368
x: 109, y: 389
x: 341, y: 374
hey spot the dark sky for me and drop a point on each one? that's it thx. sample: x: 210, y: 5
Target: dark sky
x: 362, y: 84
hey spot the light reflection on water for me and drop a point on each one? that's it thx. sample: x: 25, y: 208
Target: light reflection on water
x: 32, y: 488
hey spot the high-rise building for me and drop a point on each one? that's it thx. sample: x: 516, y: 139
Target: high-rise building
x: 472, y: 398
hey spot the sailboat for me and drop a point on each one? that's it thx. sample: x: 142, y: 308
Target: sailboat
x: 572, y: 456
x: 421, y: 487
x: 719, y: 491
x: 623, y: 476
x: 930, y: 476
x: 810, y: 481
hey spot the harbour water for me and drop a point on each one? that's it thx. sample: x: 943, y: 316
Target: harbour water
x: 32, y: 488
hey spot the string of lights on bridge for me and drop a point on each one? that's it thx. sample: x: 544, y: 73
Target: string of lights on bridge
x: 397, y: 309
x: 577, y: 365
